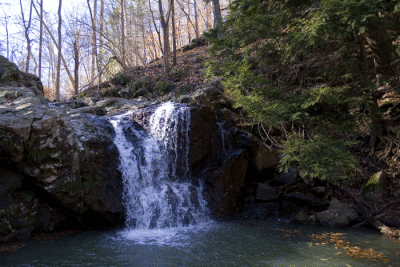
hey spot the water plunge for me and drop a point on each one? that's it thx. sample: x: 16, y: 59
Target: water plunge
x: 158, y: 192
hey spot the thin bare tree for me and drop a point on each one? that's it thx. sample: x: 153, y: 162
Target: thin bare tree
x: 164, y: 19
x: 27, y: 27
x: 40, y: 39
x: 59, y: 52
x: 123, y: 32
x: 173, y: 33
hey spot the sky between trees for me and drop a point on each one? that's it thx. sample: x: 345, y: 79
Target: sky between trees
x: 99, y: 38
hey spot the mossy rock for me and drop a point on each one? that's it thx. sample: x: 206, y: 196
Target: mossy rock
x: 375, y: 186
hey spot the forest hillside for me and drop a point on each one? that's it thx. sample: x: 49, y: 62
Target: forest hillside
x: 318, y: 80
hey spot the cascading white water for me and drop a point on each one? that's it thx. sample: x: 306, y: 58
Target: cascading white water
x: 155, y: 169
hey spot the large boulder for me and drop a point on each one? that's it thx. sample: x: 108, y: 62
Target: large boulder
x: 10, y: 75
x: 203, y: 125
x: 262, y: 156
x: 70, y: 159
x: 266, y: 193
x: 374, y: 188
x: 22, y: 210
x: 225, y: 184
x: 337, y: 215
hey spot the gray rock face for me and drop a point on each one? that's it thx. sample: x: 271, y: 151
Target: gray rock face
x: 22, y: 211
x: 225, y: 184
x: 70, y: 159
x: 266, y: 193
x: 11, y: 76
x: 287, y: 177
x: 203, y: 125
x: 211, y: 95
x: 261, y: 155
x: 338, y: 215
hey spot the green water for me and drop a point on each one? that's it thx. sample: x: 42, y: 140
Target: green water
x: 230, y: 243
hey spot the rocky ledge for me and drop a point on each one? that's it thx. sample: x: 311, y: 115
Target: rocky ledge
x: 59, y: 165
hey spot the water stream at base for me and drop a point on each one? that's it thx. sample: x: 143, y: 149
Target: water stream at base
x: 229, y: 243
x: 167, y: 223
x: 159, y: 197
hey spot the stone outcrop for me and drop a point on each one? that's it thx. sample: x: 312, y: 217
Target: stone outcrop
x: 70, y: 157
x: 58, y: 168
x: 337, y: 215
x: 374, y: 187
x: 224, y: 184
x: 61, y: 164
x: 266, y: 192
x: 10, y: 75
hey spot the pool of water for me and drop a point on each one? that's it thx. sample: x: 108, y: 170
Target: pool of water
x: 228, y: 243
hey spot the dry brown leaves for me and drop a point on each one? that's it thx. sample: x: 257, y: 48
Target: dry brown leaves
x: 10, y: 248
x: 354, y: 251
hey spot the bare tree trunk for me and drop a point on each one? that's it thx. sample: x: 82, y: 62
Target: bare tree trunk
x: 187, y: 14
x: 93, y: 17
x: 55, y: 43
x: 100, y: 57
x: 144, y: 43
x: 217, y: 17
x: 187, y: 23
x: 7, y: 34
x: 156, y: 28
x: 383, y: 51
x: 59, y: 52
x: 123, y: 31
x: 153, y: 42
x: 173, y: 34
x: 196, y: 21
x: 164, y: 25
x: 40, y: 39
x: 76, y: 68
x: 26, y: 33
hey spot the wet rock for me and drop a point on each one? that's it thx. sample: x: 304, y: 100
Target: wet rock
x: 266, y: 193
x: 337, y: 215
x: 226, y: 183
x: 210, y: 95
x: 262, y: 211
x: 262, y: 156
x: 99, y: 111
x: 302, y: 217
x: 203, y: 125
x: 287, y: 177
x: 374, y: 188
x: 69, y: 158
x: 9, y: 181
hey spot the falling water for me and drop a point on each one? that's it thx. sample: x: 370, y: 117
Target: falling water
x: 156, y: 172
x: 222, y: 131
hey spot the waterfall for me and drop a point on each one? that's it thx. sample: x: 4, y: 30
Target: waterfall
x: 158, y: 191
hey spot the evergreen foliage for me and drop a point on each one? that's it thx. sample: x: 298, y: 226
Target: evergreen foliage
x: 305, y: 64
